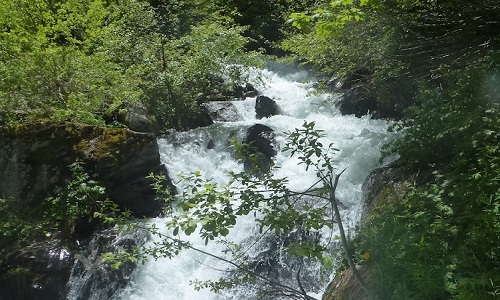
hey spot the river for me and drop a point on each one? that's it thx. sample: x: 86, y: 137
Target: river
x: 207, y: 150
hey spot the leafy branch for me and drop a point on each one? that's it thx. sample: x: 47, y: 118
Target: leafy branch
x: 211, y: 211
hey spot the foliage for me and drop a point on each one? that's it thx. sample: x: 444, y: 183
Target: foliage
x: 80, y: 203
x: 408, y: 243
x: 81, y: 60
x: 49, y: 67
x: 84, y: 60
x: 440, y: 240
x: 196, y: 66
x: 330, y: 36
x: 403, y: 43
x: 434, y: 131
x: 264, y: 18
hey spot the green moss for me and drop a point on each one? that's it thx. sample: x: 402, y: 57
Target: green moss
x: 109, y: 144
x: 97, y: 143
x: 392, y: 193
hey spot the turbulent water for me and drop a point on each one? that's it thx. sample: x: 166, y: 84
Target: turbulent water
x: 207, y: 150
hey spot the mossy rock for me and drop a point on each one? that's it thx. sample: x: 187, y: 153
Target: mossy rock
x: 34, y: 159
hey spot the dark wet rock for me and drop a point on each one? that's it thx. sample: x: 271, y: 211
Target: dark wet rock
x: 260, y: 139
x: 34, y: 160
x: 38, y: 271
x: 93, y: 279
x: 265, y: 107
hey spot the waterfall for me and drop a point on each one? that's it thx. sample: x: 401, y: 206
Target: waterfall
x: 207, y: 150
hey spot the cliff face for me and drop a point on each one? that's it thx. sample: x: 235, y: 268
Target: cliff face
x: 34, y: 159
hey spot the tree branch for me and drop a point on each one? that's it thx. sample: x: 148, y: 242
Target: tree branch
x: 240, y: 267
x: 343, y: 238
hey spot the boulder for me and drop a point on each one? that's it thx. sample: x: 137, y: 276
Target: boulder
x: 358, y: 101
x: 222, y: 111
x: 359, y: 96
x: 34, y: 159
x: 265, y: 107
x: 197, y: 118
x: 59, y: 268
x: 260, y: 139
x: 137, y: 119
x: 379, y: 181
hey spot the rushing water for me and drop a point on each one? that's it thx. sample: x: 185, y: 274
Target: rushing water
x: 359, y: 141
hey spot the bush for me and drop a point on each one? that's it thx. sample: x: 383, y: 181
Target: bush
x: 441, y: 239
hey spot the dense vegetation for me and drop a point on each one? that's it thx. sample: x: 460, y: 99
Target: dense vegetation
x: 85, y: 60
x: 436, y: 235
x: 436, y: 64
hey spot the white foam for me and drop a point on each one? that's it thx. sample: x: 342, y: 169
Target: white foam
x: 359, y: 141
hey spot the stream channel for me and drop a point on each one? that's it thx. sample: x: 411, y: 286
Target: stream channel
x: 208, y: 150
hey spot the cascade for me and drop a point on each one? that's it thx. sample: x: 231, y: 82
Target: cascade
x: 207, y: 150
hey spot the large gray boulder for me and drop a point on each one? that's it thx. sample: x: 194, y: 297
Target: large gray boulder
x: 136, y: 118
x: 222, y: 111
x: 34, y: 160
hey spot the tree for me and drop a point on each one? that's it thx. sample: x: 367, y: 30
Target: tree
x: 51, y: 67
x: 194, y: 67
x: 406, y: 45
x: 85, y: 60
